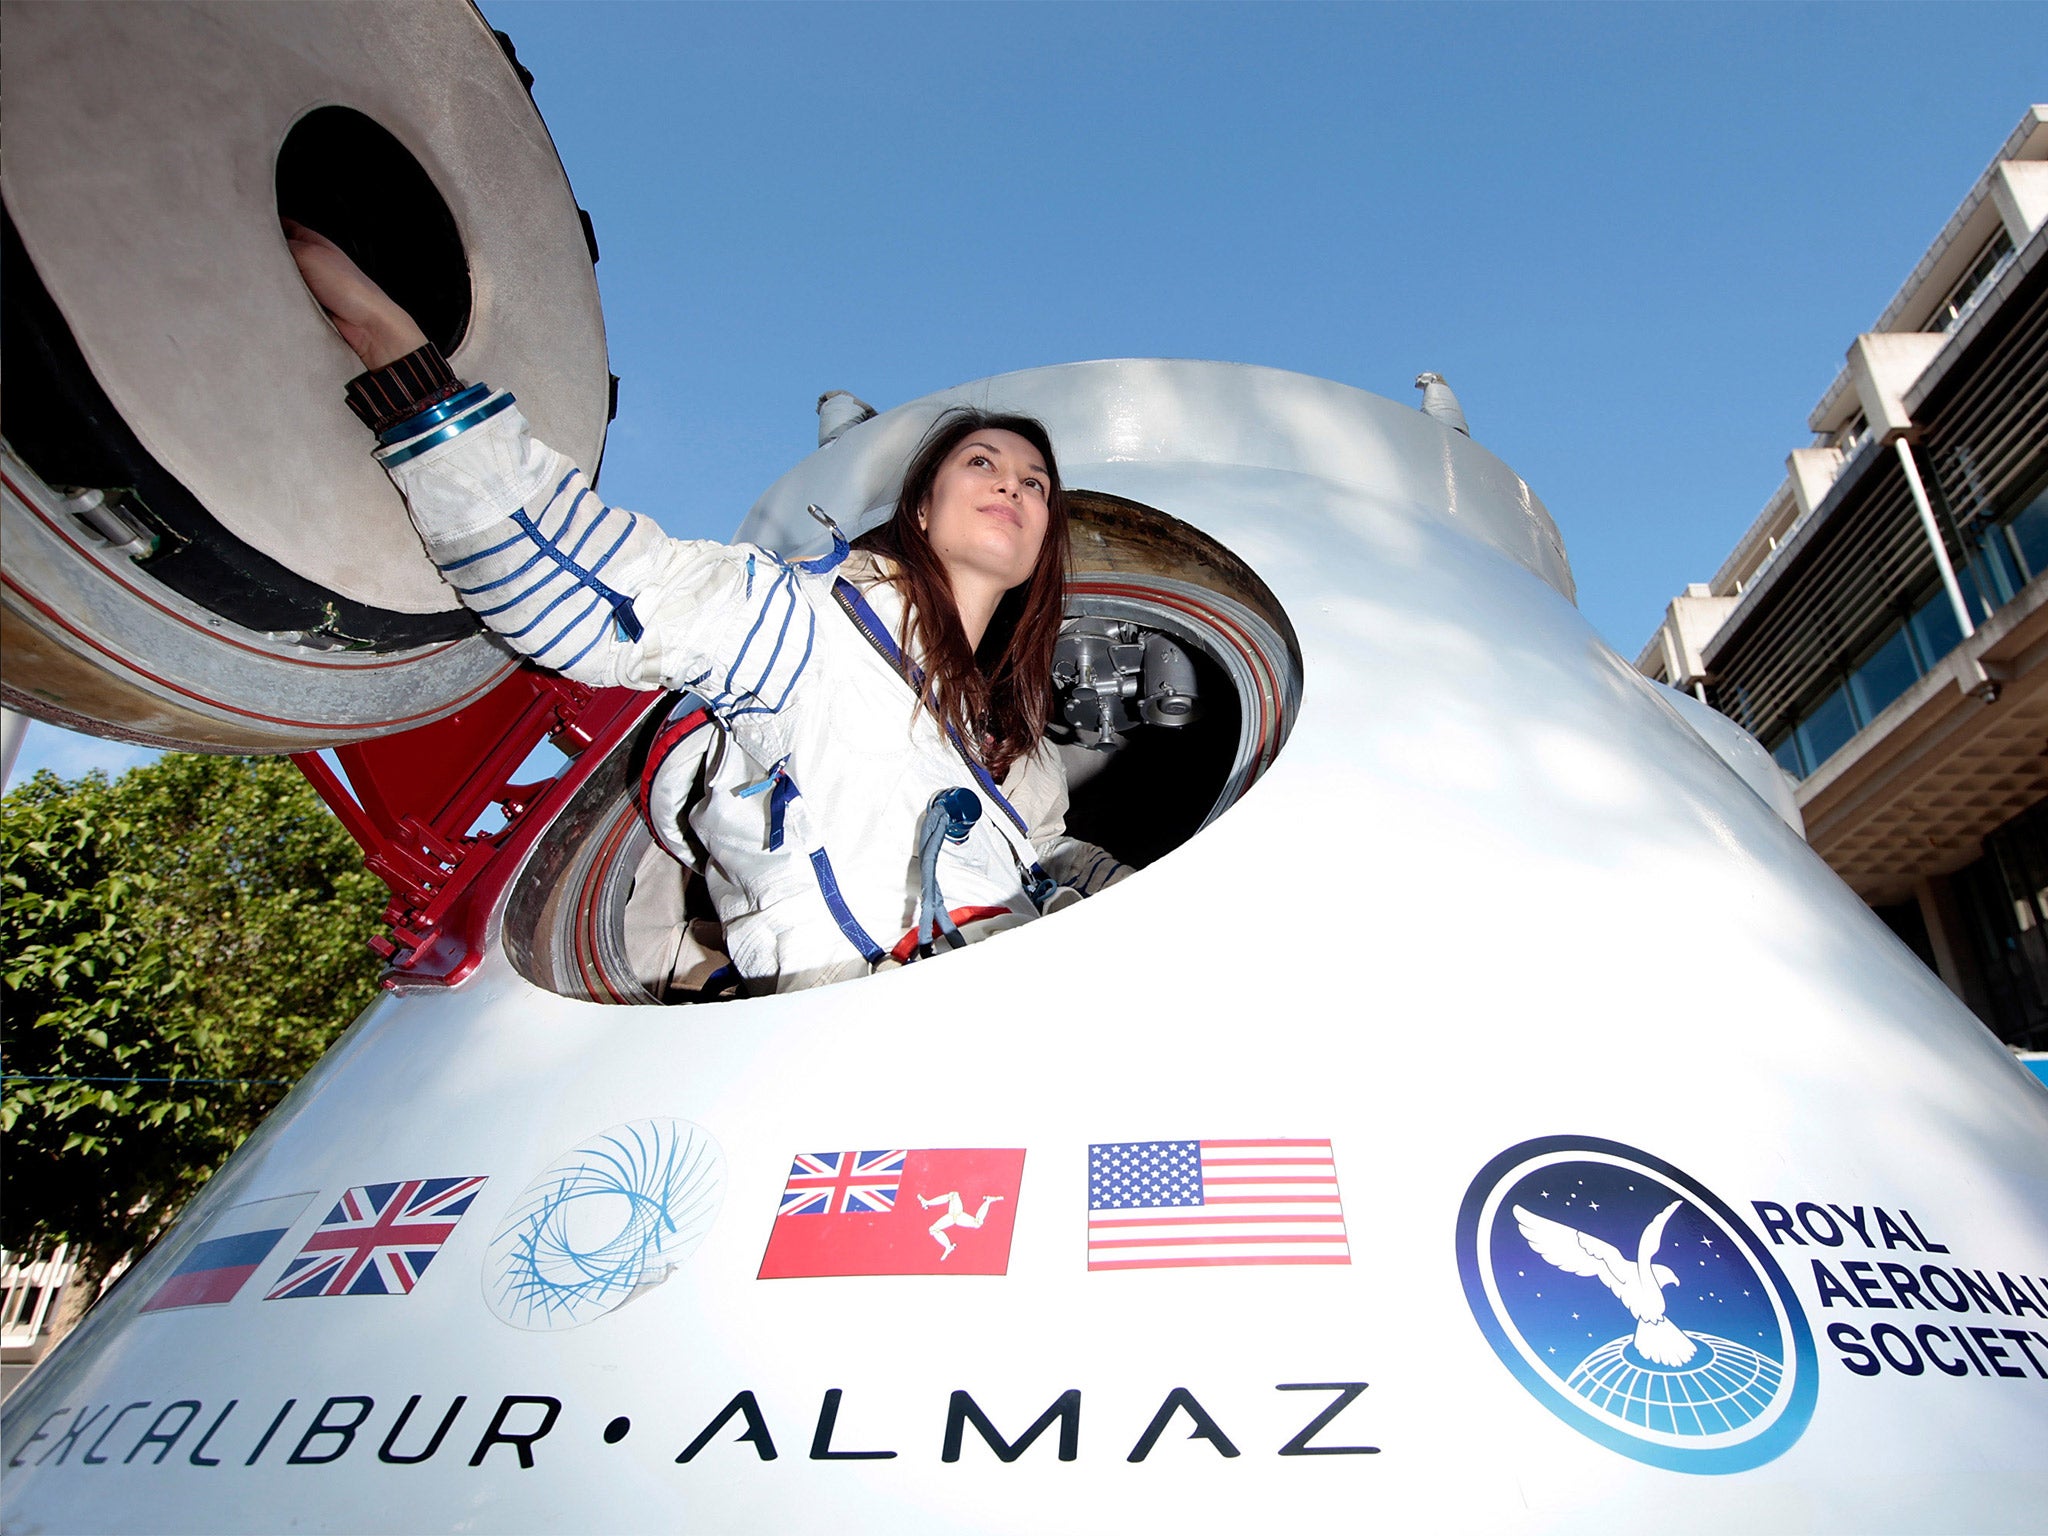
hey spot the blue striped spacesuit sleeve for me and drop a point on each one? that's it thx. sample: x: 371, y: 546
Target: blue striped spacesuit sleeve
x: 774, y: 654
x: 594, y: 591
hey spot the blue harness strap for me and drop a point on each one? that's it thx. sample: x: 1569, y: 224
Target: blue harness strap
x: 781, y: 790
x: 839, y: 551
x: 871, y: 625
x: 778, y: 806
x: 829, y: 561
x: 835, y: 903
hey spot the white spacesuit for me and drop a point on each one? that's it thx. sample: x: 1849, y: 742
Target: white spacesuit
x: 817, y: 801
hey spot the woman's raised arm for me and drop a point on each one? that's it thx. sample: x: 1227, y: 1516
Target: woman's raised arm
x: 589, y: 590
x: 369, y: 320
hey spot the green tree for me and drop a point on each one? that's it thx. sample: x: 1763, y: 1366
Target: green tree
x: 176, y: 947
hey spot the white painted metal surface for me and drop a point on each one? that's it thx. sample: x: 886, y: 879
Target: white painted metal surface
x: 1496, y: 920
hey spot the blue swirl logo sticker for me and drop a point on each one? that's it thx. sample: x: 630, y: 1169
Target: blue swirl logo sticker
x: 1636, y: 1306
x: 607, y: 1221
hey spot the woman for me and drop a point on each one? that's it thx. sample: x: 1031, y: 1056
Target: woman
x: 882, y: 780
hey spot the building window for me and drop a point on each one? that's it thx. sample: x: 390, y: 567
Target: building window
x: 2003, y: 552
x: 1827, y: 727
x: 1887, y: 672
x: 2003, y: 900
x: 1903, y: 653
x: 1934, y: 627
x: 1785, y: 750
x: 1957, y: 304
x: 2025, y: 538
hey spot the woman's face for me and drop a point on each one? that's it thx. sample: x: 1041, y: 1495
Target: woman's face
x: 987, y: 516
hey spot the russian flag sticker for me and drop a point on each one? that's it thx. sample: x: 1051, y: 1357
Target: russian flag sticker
x: 235, y: 1243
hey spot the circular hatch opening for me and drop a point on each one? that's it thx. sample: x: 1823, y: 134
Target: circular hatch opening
x: 600, y: 912
x: 343, y: 174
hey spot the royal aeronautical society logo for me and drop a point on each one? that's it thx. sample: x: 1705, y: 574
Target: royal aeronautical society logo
x: 1634, y: 1305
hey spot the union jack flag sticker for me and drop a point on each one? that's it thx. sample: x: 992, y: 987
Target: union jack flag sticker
x: 836, y: 1183
x: 378, y: 1240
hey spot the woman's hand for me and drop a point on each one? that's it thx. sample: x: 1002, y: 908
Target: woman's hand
x: 365, y: 315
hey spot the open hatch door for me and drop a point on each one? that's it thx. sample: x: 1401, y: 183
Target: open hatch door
x: 200, y: 551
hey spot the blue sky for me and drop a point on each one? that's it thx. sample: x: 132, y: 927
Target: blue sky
x: 1637, y: 240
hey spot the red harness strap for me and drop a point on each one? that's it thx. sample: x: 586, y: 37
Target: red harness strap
x: 908, y: 943
x: 672, y: 736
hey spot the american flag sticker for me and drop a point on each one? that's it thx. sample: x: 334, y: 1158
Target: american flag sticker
x: 1174, y: 1204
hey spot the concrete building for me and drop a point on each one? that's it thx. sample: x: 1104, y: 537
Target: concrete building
x: 1883, y: 624
x: 38, y: 1305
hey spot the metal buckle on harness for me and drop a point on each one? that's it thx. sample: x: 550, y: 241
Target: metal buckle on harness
x: 840, y: 547
x: 1038, y: 885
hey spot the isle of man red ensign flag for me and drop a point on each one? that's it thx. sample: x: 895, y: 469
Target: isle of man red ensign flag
x: 896, y: 1211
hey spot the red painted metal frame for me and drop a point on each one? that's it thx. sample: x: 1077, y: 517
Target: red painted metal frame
x: 411, y: 800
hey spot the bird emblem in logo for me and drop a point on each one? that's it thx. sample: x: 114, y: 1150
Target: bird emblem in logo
x: 1635, y: 1305
x: 1637, y: 1285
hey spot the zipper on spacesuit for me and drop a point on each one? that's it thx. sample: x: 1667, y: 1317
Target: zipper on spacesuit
x: 1038, y: 885
x: 870, y: 625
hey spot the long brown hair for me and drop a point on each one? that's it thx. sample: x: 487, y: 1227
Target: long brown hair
x: 995, y: 697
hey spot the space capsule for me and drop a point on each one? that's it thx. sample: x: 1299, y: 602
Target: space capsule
x: 1480, y: 1112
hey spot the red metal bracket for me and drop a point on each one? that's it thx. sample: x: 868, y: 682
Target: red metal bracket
x: 413, y: 801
